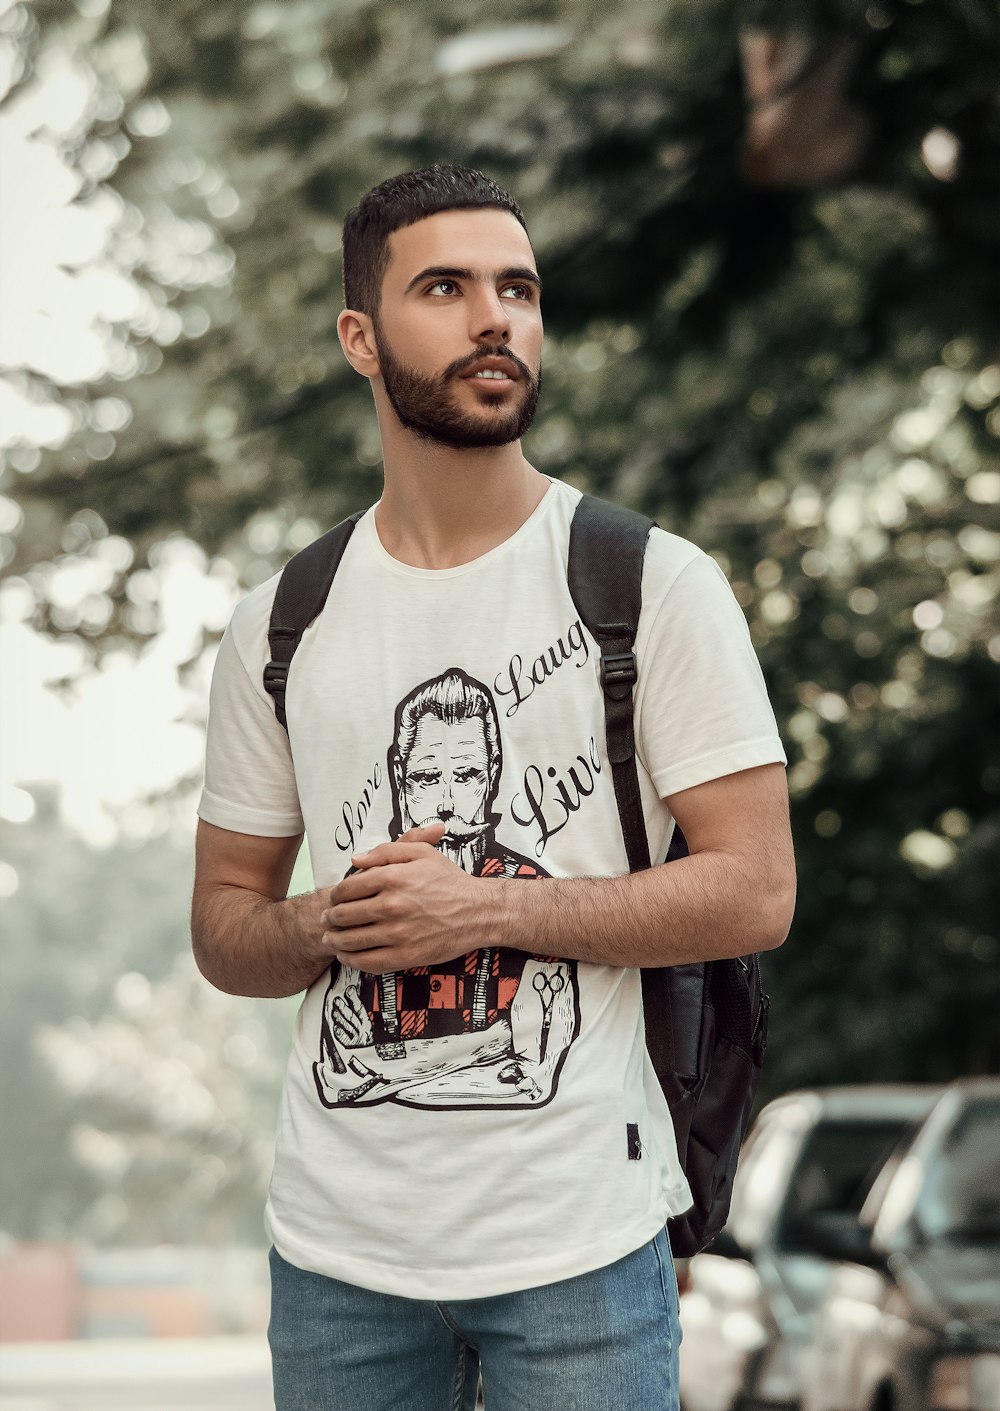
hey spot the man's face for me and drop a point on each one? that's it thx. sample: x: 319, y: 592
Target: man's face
x: 446, y: 776
x: 459, y: 328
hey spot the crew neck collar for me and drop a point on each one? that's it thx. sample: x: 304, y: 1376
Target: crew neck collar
x: 457, y: 570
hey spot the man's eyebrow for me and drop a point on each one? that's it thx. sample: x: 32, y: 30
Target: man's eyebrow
x: 522, y: 272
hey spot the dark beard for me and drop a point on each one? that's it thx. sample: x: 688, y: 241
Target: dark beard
x: 424, y: 404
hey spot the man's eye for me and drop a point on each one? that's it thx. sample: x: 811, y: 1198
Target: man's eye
x: 443, y: 287
x: 518, y: 291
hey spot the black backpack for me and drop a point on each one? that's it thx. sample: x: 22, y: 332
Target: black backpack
x: 706, y: 1024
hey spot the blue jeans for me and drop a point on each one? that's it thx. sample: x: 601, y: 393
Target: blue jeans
x: 603, y: 1341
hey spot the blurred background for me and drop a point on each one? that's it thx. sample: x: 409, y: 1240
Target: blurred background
x: 769, y: 236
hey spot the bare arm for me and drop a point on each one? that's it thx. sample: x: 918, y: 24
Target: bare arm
x: 409, y: 906
x: 249, y: 937
x: 734, y: 894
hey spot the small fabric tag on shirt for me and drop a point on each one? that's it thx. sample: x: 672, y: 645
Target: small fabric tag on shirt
x: 634, y: 1142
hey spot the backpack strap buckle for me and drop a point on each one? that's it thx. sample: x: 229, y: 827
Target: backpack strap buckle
x: 275, y: 682
x: 618, y: 669
x: 276, y: 677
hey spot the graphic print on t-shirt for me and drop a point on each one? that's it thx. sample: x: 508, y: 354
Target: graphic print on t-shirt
x: 488, y: 1029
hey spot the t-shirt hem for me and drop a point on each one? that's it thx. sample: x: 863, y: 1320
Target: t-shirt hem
x: 717, y: 764
x: 444, y: 1284
x: 240, y: 819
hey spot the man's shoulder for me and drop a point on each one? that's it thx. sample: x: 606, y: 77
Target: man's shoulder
x: 249, y: 622
x: 668, y: 556
x: 667, y: 559
x: 685, y: 592
x: 254, y: 610
x: 666, y: 553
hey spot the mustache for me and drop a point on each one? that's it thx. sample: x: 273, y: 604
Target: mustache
x: 461, y: 365
x: 459, y: 830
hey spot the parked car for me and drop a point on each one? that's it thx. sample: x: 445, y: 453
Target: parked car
x: 750, y: 1298
x: 911, y: 1322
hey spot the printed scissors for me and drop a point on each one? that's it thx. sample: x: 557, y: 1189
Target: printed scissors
x: 547, y: 986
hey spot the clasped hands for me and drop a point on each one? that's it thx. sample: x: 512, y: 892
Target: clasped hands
x: 404, y: 907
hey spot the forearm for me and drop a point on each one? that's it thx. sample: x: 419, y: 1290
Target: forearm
x: 697, y: 908
x: 247, y: 943
x: 405, y: 905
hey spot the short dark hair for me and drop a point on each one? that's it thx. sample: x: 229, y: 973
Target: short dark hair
x: 400, y: 201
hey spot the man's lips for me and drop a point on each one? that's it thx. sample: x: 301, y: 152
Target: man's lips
x: 493, y: 365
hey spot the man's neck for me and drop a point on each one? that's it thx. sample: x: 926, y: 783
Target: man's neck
x: 442, y: 507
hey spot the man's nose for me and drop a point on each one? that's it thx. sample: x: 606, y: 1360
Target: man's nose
x: 489, y: 317
x: 445, y: 807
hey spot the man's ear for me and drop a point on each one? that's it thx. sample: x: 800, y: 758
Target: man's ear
x: 357, y: 338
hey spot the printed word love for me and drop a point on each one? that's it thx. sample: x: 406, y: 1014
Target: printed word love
x: 354, y: 815
x: 550, y: 800
x: 520, y: 681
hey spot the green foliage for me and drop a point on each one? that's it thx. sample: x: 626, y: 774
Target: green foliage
x: 803, y: 378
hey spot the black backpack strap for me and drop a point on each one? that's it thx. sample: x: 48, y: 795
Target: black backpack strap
x: 607, y: 545
x: 706, y: 1023
x: 302, y: 591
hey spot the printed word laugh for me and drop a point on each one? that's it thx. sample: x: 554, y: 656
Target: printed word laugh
x: 520, y: 681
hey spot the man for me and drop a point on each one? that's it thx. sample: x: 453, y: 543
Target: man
x: 430, y: 1225
x: 445, y: 764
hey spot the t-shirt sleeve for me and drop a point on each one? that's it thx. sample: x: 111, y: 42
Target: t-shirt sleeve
x: 702, y: 710
x: 249, y: 779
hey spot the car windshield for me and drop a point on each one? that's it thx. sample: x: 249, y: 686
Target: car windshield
x: 835, y: 1170
x: 960, y: 1195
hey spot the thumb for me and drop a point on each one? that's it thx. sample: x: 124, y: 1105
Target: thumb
x: 426, y: 833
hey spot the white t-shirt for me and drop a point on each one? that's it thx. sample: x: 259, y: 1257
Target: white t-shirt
x: 463, y: 1131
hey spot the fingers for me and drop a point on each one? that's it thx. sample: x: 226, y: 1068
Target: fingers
x: 353, y: 915
x: 345, y: 1024
x: 361, y: 899
x: 425, y: 833
x: 355, y: 948
x: 414, y: 843
x: 354, y: 999
x: 351, y: 1022
x: 374, y: 962
x: 356, y: 886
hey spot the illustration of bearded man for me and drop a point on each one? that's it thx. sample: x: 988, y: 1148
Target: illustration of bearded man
x: 440, y: 1021
x: 445, y: 766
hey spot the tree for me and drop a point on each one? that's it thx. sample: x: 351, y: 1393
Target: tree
x: 768, y: 233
